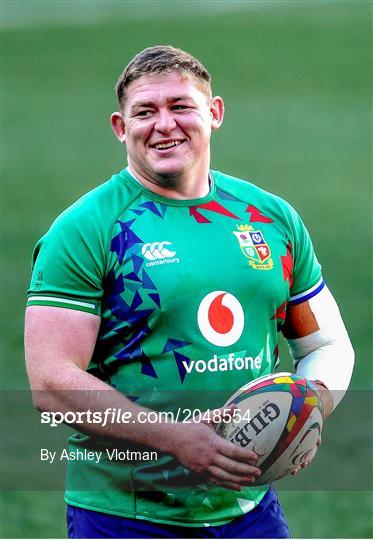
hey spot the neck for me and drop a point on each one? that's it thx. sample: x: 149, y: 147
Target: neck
x: 182, y: 188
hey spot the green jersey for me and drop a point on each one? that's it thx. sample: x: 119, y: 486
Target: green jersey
x: 191, y: 295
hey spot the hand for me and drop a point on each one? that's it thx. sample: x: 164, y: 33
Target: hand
x: 310, y: 458
x: 218, y: 461
x: 325, y: 397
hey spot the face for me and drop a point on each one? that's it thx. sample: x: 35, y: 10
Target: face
x: 166, y: 126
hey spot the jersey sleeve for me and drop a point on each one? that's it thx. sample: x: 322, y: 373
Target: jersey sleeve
x: 307, y: 280
x: 69, y: 265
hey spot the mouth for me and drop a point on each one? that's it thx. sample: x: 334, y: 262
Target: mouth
x: 166, y: 145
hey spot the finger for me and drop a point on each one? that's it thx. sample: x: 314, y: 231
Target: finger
x: 236, y: 467
x: 318, y: 441
x: 295, y: 471
x: 218, y: 474
x: 234, y: 452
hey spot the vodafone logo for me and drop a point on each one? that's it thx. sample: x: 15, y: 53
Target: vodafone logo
x: 220, y: 318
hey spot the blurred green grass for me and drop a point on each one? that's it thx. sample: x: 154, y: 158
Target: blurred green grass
x: 296, y: 79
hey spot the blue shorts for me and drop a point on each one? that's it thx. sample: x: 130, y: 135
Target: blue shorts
x: 265, y: 521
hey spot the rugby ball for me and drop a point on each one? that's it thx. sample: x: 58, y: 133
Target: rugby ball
x: 279, y: 417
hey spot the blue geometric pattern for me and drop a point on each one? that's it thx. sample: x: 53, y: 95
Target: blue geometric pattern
x: 181, y: 359
x: 150, y: 205
x: 137, y: 301
x: 137, y: 263
x: 124, y: 240
x: 226, y: 196
x: 147, y: 368
x: 172, y: 344
x: 133, y: 277
x: 156, y: 298
x: 158, y: 209
x: 124, y: 296
x: 133, y: 398
x: 147, y: 282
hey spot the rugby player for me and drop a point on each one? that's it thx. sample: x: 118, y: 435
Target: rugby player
x: 164, y: 289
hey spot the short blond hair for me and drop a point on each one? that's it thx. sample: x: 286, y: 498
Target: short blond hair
x: 161, y: 59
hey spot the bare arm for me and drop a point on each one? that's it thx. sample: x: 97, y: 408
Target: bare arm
x: 59, y: 344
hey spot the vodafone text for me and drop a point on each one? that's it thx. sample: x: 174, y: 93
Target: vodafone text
x: 223, y: 364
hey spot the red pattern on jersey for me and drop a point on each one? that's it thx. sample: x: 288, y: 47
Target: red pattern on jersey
x: 280, y: 312
x: 287, y: 264
x: 213, y: 206
x: 256, y: 215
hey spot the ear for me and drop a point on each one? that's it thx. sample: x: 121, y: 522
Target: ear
x: 118, y: 126
x: 217, y: 112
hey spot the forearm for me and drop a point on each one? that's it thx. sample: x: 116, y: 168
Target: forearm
x: 87, y: 393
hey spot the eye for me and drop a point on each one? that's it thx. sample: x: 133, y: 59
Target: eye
x: 180, y: 107
x: 144, y: 113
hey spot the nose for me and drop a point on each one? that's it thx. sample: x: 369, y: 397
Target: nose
x: 165, y: 121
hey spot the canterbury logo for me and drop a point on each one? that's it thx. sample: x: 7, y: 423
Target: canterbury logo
x: 154, y: 251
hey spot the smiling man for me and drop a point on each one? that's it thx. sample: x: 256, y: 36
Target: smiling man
x: 166, y: 122
x: 157, y: 295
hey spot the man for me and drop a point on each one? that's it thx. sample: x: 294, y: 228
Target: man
x: 163, y: 290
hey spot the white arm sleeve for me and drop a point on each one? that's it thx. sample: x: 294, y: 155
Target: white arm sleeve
x: 326, y: 355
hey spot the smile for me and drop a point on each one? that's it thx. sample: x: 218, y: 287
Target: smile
x: 166, y: 145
